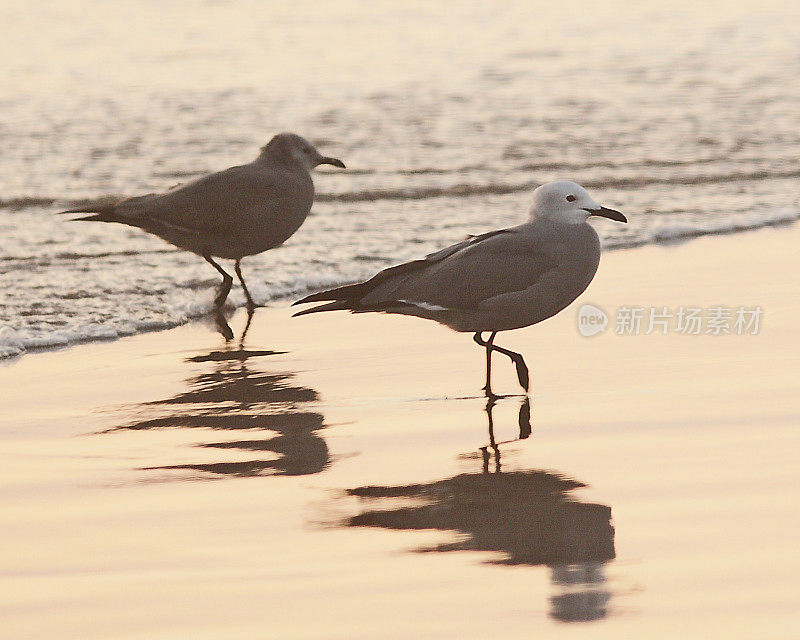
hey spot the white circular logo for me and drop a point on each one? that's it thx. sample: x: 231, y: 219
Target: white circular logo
x: 591, y: 320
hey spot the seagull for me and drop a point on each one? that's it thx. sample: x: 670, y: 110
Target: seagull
x: 230, y: 214
x: 497, y: 281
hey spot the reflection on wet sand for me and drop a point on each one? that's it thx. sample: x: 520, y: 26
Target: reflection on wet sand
x: 235, y: 395
x: 582, y: 596
x: 493, y: 447
x: 527, y: 516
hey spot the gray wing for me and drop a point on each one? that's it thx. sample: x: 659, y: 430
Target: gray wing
x: 472, y: 239
x: 353, y: 294
x: 221, y: 202
x: 467, y: 274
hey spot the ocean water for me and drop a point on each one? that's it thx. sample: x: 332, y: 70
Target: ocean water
x: 682, y: 115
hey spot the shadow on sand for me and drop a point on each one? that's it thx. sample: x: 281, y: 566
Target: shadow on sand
x: 235, y: 394
x: 526, y: 516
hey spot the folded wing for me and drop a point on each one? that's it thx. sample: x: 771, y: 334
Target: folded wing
x: 218, y: 203
x: 460, y: 276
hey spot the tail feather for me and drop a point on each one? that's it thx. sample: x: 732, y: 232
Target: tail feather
x: 355, y: 307
x: 98, y: 217
x: 347, y: 292
x: 352, y: 293
x: 338, y: 305
x: 102, y: 212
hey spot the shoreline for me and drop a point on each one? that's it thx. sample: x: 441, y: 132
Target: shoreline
x: 660, y: 237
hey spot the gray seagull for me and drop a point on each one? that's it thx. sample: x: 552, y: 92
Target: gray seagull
x: 233, y: 213
x: 496, y: 281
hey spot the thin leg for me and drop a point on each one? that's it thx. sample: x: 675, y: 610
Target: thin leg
x: 488, y: 387
x: 488, y: 344
x: 522, y: 369
x: 227, y: 281
x: 238, y: 268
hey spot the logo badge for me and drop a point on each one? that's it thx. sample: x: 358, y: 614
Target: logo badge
x: 591, y: 320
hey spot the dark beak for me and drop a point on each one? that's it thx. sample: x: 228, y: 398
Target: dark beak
x: 603, y: 212
x: 334, y: 161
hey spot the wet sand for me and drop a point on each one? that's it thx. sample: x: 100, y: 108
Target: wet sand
x: 334, y: 476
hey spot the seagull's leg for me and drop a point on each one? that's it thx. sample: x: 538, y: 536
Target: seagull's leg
x: 227, y: 281
x: 238, y: 268
x: 519, y: 361
x: 492, y: 441
x: 488, y: 344
x: 488, y: 386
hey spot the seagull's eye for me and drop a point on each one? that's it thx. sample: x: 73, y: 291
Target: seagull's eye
x: 571, y: 198
x: 306, y: 149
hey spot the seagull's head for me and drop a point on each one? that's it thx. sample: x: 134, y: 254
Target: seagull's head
x: 289, y: 148
x: 568, y: 203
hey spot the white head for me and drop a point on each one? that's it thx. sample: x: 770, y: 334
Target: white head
x: 568, y: 203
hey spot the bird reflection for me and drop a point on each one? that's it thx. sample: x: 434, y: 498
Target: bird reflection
x: 220, y: 316
x: 224, y: 329
x: 526, y: 516
x: 234, y: 394
x: 524, y: 431
x: 581, y: 595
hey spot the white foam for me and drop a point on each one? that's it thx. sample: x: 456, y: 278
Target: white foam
x: 671, y: 232
x: 176, y: 288
x: 10, y: 343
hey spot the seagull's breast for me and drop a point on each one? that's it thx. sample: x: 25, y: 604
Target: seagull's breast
x: 276, y: 213
x: 582, y: 257
x: 577, y: 255
x: 573, y: 254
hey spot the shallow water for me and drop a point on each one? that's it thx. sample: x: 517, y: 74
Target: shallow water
x: 683, y: 116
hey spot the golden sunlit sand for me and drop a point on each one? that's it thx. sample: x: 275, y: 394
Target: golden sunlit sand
x: 171, y: 485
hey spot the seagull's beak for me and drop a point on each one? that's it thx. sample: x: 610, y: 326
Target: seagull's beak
x: 334, y: 161
x: 604, y: 212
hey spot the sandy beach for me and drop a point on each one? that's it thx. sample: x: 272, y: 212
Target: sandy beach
x: 170, y: 485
